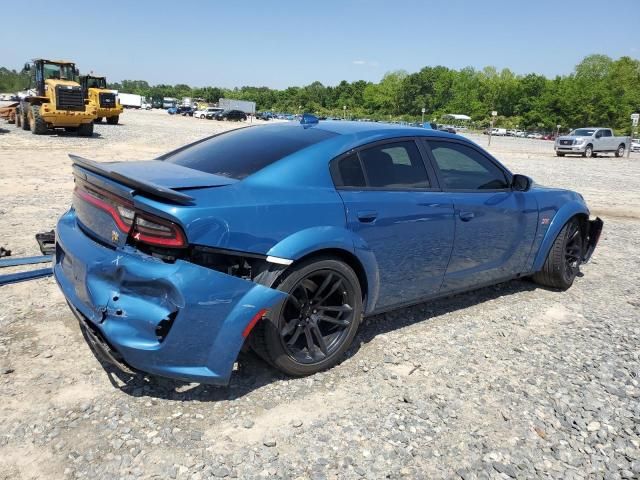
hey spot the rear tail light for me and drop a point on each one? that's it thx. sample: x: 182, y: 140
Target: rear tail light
x: 140, y: 226
x: 157, y: 231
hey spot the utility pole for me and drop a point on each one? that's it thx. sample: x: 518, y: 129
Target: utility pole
x: 344, y: 112
x: 634, y: 124
x: 494, y: 114
x: 423, y: 110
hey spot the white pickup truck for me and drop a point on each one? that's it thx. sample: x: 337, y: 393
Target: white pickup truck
x: 590, y: 141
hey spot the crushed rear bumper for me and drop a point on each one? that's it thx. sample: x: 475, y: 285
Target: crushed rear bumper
x: 177, y: 320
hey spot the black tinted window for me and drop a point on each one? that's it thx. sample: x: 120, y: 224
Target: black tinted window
x: 463, y: 168
x: 242, y: 152
x: 394, y: 165
x: 351, y: 172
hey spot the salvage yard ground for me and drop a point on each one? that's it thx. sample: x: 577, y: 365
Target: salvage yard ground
x: 508, y: 381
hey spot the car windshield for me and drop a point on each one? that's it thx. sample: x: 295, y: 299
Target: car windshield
x: 583, y: 132
x: 58, y: 71
x: 242, y: 152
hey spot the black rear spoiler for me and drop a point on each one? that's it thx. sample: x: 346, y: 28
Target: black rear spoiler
x: 147, y: 187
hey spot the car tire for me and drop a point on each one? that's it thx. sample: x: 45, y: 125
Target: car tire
x: 18, y: 118
x: 289, y: 338
x: 564, y: 258
x: 113, y: 120
x: 620, y: 150
x: 558, y: 154
x: 588, y: 151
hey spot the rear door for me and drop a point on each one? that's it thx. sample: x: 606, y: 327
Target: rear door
x: 608, y: 140
x: 494, y: 226
x: 393, y: 203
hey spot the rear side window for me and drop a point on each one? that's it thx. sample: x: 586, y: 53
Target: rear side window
x: 395, y: 165
x: 351, y: 172
x: 242, y: 152
x: 463, y: 168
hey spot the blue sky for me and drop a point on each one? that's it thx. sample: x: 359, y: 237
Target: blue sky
x: 285, y: 43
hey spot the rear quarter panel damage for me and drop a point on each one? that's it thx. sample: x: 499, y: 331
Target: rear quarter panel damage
x: 126, y: 294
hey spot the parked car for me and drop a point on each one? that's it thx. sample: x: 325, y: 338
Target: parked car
x: 447, y: 128
x: 264, y: 116
x: 511, y: 133
x: 500, y: 132
x: 635, y: 145
x: 283, y: 236
x: 232, y: 115
x: 187, y: 110
x: 590, y: 141
x: 208, y: 112
x: 535, y: 136
x: 172, y: 110
x: 211, y: 115
x: 521, y: 133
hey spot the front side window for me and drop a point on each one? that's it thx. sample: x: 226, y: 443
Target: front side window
x: 464, y: 168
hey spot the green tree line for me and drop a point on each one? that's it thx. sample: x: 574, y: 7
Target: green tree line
x: 600, y: 91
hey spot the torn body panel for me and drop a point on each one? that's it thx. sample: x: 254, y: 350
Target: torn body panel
x: 178, y: 320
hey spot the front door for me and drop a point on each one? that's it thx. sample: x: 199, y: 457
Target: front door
x: 393, y: 205
x: 494, y: 225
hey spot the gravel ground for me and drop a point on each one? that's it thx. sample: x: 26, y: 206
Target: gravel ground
x: 512, y: 381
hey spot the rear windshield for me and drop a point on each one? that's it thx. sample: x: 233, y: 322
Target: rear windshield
x: 242, y: 152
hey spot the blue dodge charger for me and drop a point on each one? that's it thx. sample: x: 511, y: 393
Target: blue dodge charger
x: 282, y: 237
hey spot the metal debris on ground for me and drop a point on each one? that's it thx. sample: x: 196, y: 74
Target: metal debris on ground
x: 47, y: 242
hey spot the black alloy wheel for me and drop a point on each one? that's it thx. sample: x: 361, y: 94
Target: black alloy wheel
x: 572, y: 251
x: 314, y: 326
x: 563, y: 261
x: 316, y: 318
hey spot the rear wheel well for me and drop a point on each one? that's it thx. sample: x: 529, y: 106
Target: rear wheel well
x: 343, y: 255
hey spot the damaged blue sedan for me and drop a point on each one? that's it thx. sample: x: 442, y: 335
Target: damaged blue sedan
x: 282, y: 237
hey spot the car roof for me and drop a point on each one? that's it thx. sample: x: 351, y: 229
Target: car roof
x: 365, y: 129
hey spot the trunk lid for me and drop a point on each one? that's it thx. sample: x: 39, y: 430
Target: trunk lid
x: 104, y: 196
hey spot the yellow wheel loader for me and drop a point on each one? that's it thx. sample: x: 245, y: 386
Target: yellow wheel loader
x: 105, y: 101
x: 55, y: 100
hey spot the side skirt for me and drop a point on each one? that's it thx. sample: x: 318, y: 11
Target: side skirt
x: 448, y: 293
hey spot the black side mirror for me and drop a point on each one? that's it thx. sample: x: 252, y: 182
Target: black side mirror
x: 521, y: 183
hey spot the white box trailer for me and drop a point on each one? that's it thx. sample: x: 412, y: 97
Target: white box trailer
x: 130, y: 100
x: 243, y: 105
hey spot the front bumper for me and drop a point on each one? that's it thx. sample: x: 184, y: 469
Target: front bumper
x: 68, y: 118
x: 176, y: 320
x: 108, y: 112
x: 593, y: 236
x: 570, y: 148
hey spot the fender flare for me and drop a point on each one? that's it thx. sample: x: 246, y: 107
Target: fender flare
x: 561, y: 217
x: 317, y: 239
